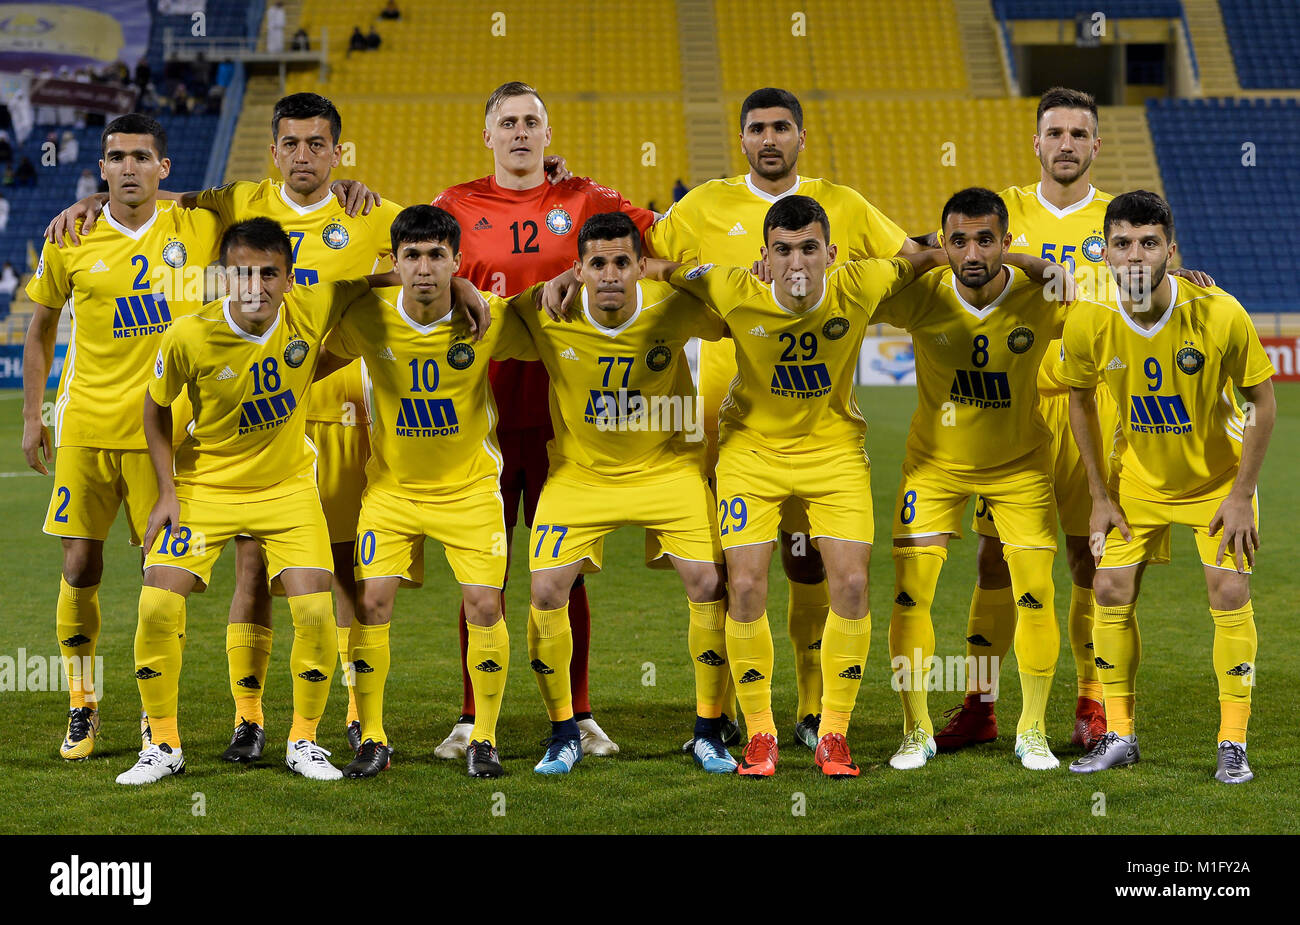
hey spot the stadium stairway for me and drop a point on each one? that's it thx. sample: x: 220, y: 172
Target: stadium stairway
x: 707, y: 139
x: 1128, y: 156
x: 1213, y: 54
x: 979, y: 41
x: 249, y: 157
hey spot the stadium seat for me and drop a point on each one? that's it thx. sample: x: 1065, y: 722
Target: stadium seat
x: 1264, y: 36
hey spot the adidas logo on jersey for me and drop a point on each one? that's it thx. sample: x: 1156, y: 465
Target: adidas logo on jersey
x: 904, y: 600
x: 977, y: 640
x: 312, y: 674
x: 1102, y: 663
x: 99, y: 267
x: 387, y: 354
x: 853, y: 673
x: 249, y: 682
x: 483, y: 224
x: 737, y: 229
x: 757, y: 331
x: 226, y: 373
x: 941, y: 339
x: 360, y: 666
x: 1020, y: 242
x: 711, y: 658
x: 1116, y: 363
x: 1027, y: 601
x: 1241, y: 670
x: 147, y: 674
x: 541, y: 667
x: 487, y: 665
x: 569, y: 354
x: 73, y: 641
x: 750, y: 676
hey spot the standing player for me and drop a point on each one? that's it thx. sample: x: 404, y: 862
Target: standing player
x: 622, y: 403
x: 435, y: 471
x: 520, y: 230
x: 244, y: 468
x: 980, y: 330
x: 715, y: 223
x: 792, y: 437
x: 1170, y: 352
x: 124, y: 285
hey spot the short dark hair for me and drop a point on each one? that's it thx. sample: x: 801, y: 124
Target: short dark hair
x: 508, y: 90
x: 772, y: 98
x: 1140, y: 207
x: 415, y: 224
x: 1065, y: 98
x: 795, y: 212
x: 609, y: 226
x: 135, y: 123
x: 306, y: 106
x: 975, y: 202
x: 259, y: 234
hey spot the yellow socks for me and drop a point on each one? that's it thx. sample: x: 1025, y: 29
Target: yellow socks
x: 550, y: 650
x: 158, y: 660
x: 248, y: 655
x: 989, y: 629
x: 371, y: 657
x: 749, y: 647
x: 347, y: 638
x: 1038, y: 638
x: 911, y: 632
x: 311, y: 660
x: 844, y: 657
x: 77, y: 623
x: 1119, y: 652
x: 1079, y: 626
x: 809, y: 605
x: 488, y: 659
x: 707, y: 640
x: 1235, y: 644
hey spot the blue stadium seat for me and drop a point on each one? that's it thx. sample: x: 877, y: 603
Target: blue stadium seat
x: 1113, y: 9
x: 1264, y: 36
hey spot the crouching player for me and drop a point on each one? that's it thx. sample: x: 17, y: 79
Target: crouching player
x: 628, y: 451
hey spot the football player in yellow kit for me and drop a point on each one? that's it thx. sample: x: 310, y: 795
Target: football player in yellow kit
x: 1170, y: 353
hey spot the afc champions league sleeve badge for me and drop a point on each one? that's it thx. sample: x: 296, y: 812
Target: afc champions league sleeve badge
x: 174, y: 254
x: 335, y: 236
x: 1020, y: 340
x: 558, y: 221
x: 296, y: 352
x: 460, y: 356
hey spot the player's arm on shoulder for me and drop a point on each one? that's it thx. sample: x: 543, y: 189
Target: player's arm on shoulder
x: 172, y: 371
x: 1055, y: 278
x: 705, y: 322
x: 672, y: 236
x: 1199, y: 277
x: 472, y: 306
x: 514, y: 341
x: 38, y: 354
x: 719, y: 287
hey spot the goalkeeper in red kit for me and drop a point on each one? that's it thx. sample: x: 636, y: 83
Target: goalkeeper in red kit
x: 518, y: 229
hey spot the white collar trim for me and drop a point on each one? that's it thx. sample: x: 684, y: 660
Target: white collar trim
x: 251, y: 338
x: 982, y: 313
x: 305, y: 210
x: 768, y: 197
x: 1070, y: 209
x: 613, y: 332
x: 1155, y: 328
x: 138, y: 233
x: 415, y: 325
x: 807, y: 311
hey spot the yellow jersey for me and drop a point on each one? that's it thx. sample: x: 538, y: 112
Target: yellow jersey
x: 328, y: 245
x: 433, y: 418
x: 622, y: 401
x: 793, y: 390
x: 123, y: 289
x: 248, y: 440
x: 1180, y: 429
x: 977, y: 410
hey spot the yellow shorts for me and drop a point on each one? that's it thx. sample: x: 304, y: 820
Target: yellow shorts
x: 574, y: 517
x: 90, y: 485
x: 341, y: 454
x: 1150, y: 523
x: 931, y: 502
x: 1069, y: 478
x: 832, y: 491
x: 290, y: 529
x: 472, y: 531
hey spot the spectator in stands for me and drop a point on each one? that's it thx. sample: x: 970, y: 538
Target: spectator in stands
x: 680, y: 189
x: 8, y: 279
x: 25, y: 175
x: 391, y: 11
x: 6, y: 148
x: 4, y: 212
x: 8, y: 178
x: 275, y: 27
x: 358, y: 40
x: 86, y: 184
x: 142, y: 73
x: 373, y: 40
x: 180, y: 101
x: 300, y: 40
x: 69, y: 148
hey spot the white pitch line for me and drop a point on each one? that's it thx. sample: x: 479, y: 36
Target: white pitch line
x: 18, y: 475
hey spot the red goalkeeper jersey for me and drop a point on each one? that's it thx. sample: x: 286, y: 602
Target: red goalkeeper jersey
x: 511, y: 239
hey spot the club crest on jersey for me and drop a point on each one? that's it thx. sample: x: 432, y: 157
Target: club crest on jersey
x: 296, y: 352
x: 835, y: 328
x: 335, y: 236
x: 658, y: 358
x: 558, y: 221
x: 1020, y: 340
x: 460, y: 356
x: 1189, y: 360
x: 699, y: 271
x: 174, y: 254
x: 1093, y: 245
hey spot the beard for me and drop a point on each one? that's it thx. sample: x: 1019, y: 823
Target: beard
x: 773, y: 173
x: 986, y: 276
x: 1139, y: 284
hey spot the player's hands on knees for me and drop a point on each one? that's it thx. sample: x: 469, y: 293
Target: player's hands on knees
x: 36, y: 445
x: 556, y: 170
x: 472, y: 306
x: 1236, y: 518
x: 354, y: 196
x: 1199, y: 277
x: 760, y: 270
x: 166, y: 513
x: 1106, y: 516
x: 558, y: 295
x: 81, y: 215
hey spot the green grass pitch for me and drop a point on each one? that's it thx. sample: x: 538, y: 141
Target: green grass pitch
x: 639, y: 630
